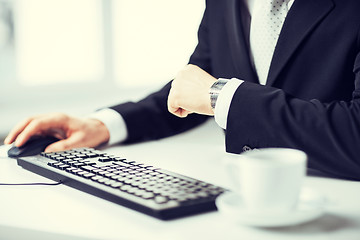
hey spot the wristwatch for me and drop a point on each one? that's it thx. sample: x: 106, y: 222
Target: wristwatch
x: 215, y: 90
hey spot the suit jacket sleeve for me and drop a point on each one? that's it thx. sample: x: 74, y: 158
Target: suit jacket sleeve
x: 149, y: 118
x: 262, y: 116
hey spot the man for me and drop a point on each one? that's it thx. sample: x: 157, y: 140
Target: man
x: 303, y: 93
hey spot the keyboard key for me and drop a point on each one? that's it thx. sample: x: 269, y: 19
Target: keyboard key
x: 147, y: 195
x: 51, y: 162
x: 78, y: 164
x: 103, y: 180
x: 128, y: 161
x: 160, y: 199
x: 202, y: 194
x: 116, y: 177
x: 96, y: 178
x: 128, y: 181
x: 66, y: 161
x: 89, y: 175
x: 123, y: 164
x: 56, y: 165
x: 131, y: 190
x: 64, y: 166
x: 102, y: 173
x: 116, y: 184
x: 82, y: 173
x: 76, y: 171
x: 117, y: 172
x: 124, y: 187
x: 141, y: 165
x: 88, y: 168
x: 72, y: 162
x: 91, y: 155
x: 104, y: 168
x: 104, y: 159
x: 97, y: 170
x: 109, y: 182
x: 70, y: 169
x: 152, y: 168
x: 139, y: 192
x: 124, y: 174
x: 122, y: 179
x: 109, y: 174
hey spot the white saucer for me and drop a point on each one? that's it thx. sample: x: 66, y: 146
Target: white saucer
x: 310, y: 206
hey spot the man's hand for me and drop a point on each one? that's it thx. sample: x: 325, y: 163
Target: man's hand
x: 189, y: 92
x: 73, y: 132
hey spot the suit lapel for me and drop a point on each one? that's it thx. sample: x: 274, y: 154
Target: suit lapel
x: 237, y: 41
x: 303, y: 16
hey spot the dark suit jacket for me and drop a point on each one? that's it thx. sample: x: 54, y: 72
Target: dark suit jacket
x: 312, y: 97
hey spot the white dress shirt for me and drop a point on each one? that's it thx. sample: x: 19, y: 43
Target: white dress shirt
x: 117, y: 126
x: 114, y: 122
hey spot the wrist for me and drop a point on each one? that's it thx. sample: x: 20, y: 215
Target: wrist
x: 114, y: 123
x: 103, y: 133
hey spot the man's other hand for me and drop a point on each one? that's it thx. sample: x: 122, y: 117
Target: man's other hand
x: 189, y: 92
x: 74, y: 132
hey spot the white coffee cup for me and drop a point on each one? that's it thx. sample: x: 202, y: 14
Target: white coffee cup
x: 267, y: 180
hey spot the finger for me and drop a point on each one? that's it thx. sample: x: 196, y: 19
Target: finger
x: 177, y: 112
x: 176, y: 109
x: 17, y: 130
x: 36, y: 127
x: 172, y: 106
x: 185, y: 113
x: 182, y: 113
x: 173, y: 110
x: 68, y: 143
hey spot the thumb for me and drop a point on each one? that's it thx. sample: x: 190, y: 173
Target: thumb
x: 182, y: 113
x: 64, y: 144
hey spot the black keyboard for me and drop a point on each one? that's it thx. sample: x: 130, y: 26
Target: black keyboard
x: 147, y: 189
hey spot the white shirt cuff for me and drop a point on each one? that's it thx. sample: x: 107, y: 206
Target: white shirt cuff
x: 224, y: 100
x: 114, y: 123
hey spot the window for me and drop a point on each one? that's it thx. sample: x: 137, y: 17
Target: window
x: 75, y: 56
x: 125, y: 42
x: 58, y: 41
x: 153, y: 39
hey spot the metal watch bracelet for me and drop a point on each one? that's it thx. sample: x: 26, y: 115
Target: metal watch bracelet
x: 215, y: 90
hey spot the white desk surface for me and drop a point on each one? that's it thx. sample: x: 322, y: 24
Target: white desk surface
x: 60, y: 212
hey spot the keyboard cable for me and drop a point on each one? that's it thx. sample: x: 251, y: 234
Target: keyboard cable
x: 30, y: 184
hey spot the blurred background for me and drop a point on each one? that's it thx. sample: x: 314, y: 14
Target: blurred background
x: 76, y: 56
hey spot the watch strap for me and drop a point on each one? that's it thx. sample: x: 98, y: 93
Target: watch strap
x: 215, y: 90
